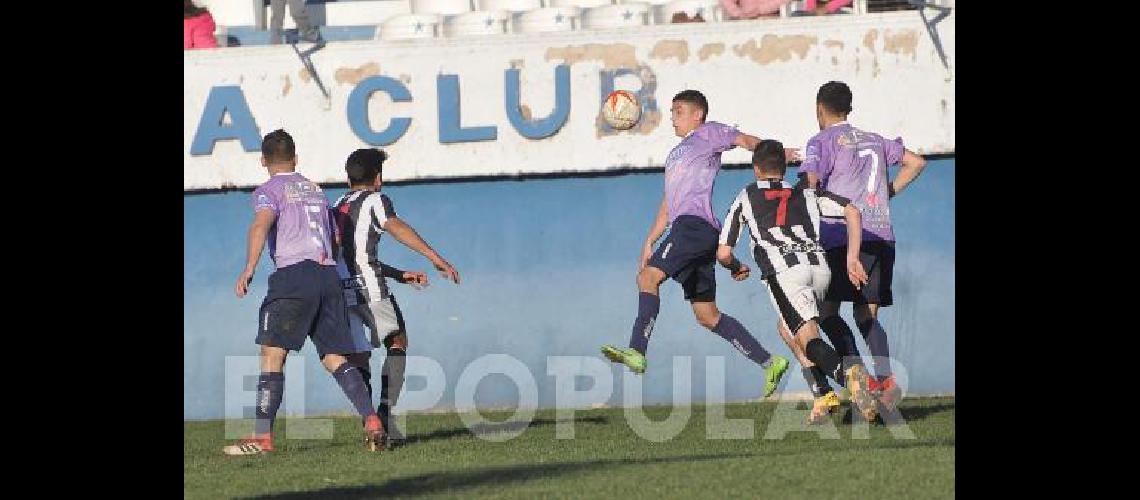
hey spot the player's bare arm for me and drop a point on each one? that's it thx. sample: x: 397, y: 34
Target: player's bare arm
x: 912, y: 165
x: 410, y: 238
x: 855, y: 271
x: 749, y: 142
x: 258, y: 233
x: 655, y: 232
x: 738, y: 269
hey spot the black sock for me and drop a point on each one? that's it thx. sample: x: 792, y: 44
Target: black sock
x: 270, y: 389
x: 823, y: 356
x: 817, y: 381
x: 391, y: 382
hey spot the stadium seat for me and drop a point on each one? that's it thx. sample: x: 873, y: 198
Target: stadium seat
x: 583, y: 4
x: 547, y: 19
x: 509, y: 5
x: 441, y: 7
x: 409, y: 26
x: 616, y: 16
x: 480, y: 22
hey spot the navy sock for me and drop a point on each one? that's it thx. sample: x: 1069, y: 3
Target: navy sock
x: 352, y: 383
x: 731, y: 330
x: 840, y: 336
x: 876, y: 339
x: 270, y: 389
x: 648, y: 305
x: 366, y: 374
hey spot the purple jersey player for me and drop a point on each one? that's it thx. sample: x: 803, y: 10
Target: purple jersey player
x: 852, y: 163
x: 304, y: 299
x: 688, y: 253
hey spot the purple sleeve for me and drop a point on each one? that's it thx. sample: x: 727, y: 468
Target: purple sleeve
x: 263, y: 199
x: 813, y: 159
x: 720, y: 136
x: 894, y: 150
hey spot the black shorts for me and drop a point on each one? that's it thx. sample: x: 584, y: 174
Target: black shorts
x: 305, y: 300
x: 878, y: 258
x: 688, y: 255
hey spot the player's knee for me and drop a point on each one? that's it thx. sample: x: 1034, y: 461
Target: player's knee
x: 708, y: 319
x: 644, y: 279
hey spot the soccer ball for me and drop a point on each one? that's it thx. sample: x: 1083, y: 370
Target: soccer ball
x: 621, y: 110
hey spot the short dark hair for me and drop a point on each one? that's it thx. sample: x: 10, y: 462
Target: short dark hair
x: 278, y: 146
x: 769, y: 157
x: 696, y: 98
x: 835, y: 97
x: 363, y: 165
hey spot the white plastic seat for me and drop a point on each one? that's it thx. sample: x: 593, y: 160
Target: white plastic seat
x: 548, y: 19
x: 582, y: 4
x: 441, y: 7
x: 480, y: 22
x: 409, y: 26
x: 509, y: 5
x: 616, y: 16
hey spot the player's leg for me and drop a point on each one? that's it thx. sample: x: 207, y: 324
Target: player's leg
x: 878, y: 259
x: 839, y: 290
x: 813, y: 375
x: 649, y: 280
x: 270, y: 389
x: 280, y: 318
x: 333, y: 338
x: 392, y: 373
x: 700, y: 289
x: 793, y: 293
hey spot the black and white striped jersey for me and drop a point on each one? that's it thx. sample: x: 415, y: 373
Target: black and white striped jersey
x: 360, y: 218
x: 782, y: 222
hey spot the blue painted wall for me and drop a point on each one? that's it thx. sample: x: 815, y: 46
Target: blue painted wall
x: 548, y: 268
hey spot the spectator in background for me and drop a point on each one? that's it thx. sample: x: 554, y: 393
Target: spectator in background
x: 752, y: 9
x: 305, y: 30
x: 683, y: 17
x: 198, y: 28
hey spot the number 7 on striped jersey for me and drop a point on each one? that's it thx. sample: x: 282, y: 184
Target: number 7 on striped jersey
x: 782, y: 211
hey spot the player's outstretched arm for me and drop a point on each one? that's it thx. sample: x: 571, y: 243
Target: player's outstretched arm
x: 738, y: 269
x: 912, y: 165
x: 411, y: 239
x: 414, y: 278
x: 750, y: 142
x: 855, y: 271
x: 258, y: 233
x: 655, y: 232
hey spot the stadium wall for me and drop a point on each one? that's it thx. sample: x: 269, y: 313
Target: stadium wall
x: 529, y: 103
x: 548, y: 269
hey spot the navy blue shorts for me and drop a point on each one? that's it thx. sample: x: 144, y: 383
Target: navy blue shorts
x: 688, y: 255
x: 305, y: 300
x: 878, y: 259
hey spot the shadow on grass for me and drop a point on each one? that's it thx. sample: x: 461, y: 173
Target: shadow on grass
x: 492, y: 428
x: 450, y: 482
